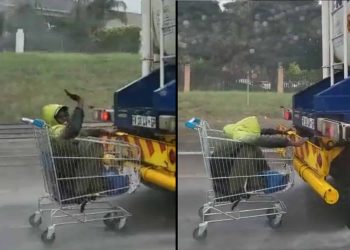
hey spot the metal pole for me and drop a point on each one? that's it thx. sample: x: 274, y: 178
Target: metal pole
x: 247, y: 94
x: 249, y: 79
x: 345, y: 37
x: 325, y: 39
x: 146, y: 41
x: 331, y: 41
x: 161, y: 43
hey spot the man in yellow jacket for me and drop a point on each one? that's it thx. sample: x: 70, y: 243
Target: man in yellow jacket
x: 239, y: 165
x: 249, y: 131
x: 64, y: 126
x: 74, y: 158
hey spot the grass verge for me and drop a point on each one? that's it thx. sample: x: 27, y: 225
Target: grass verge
x: 30, y: 80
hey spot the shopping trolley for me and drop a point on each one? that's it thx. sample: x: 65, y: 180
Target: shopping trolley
x: 242, y: 177
x: 81, y: 176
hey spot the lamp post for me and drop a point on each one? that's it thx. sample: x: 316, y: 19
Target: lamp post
x: 251, y: 52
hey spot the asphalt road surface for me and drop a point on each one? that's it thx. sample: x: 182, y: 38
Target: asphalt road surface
x: 151, y: 227
x: 308, y: 224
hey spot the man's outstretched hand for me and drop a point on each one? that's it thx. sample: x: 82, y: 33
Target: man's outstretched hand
x: 74, y: 97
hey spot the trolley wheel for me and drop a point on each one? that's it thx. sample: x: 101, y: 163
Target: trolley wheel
x: 198, y: 236
x: 111, y: 223
x: 270, y: 214
x: 275, y: 222
x: 34, y: 223
x: 46, y: 239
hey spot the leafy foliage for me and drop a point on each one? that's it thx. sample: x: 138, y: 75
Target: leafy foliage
x: 125, y: 39
x: 25, y: 17
x: 73, y: 33
x: 250, y: 35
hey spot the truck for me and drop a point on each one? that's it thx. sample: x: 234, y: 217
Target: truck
x: 144, y: 111
x: 321, y: 113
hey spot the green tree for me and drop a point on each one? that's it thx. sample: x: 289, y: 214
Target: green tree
x: 277, y: 31
x: 87, y: 18
x: 91, y: 16
x: 99, y: 9
x: 293, y: 71
x: 2, y: 23
x: 24, y: 17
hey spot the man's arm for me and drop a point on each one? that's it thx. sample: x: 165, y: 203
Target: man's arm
x: 272, y: 142
x: 277, y: 142
x: 75, y: 123
x: 271, y: 131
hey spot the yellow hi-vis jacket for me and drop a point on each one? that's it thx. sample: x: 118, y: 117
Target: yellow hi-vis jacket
x: 245, y: 130
x: 48, y: 114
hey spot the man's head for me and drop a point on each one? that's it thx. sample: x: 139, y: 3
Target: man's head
x: 54, y: 114
x: 62, y: 116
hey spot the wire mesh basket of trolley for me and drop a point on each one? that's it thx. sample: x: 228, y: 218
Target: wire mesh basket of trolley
x: 242, y: 177
x: 81, y: 176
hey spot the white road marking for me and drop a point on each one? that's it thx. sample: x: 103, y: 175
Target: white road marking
x: 189, y: 153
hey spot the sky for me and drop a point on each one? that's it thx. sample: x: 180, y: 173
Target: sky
x: 133, y: 6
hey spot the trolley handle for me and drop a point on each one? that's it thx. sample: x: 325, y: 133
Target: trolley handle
x: 35, y: 122
x: 193, y: 123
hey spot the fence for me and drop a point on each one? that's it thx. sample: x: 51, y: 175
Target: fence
x: 215, y: 79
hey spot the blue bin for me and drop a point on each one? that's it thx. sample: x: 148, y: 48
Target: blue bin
x: 274, y: 181
x: 116, y: 181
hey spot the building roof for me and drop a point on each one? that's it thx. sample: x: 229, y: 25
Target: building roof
x: 51, y: 5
